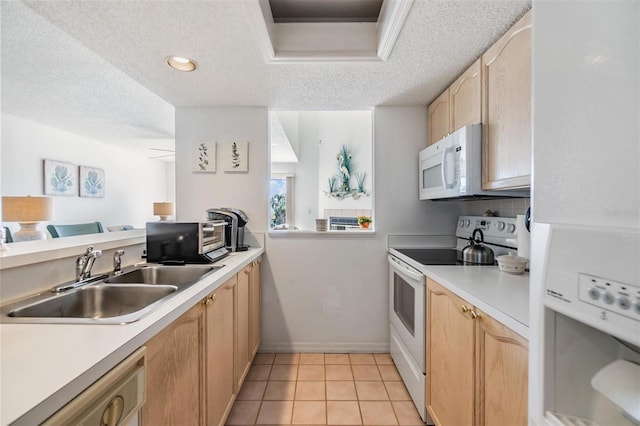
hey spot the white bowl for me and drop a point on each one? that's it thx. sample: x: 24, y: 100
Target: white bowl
x: 512, y: 263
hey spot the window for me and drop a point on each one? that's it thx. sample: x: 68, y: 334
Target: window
x: 329, y: 155
x: 281, y: 200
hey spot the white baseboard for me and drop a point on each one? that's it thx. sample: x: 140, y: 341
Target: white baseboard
x: 324, y: 347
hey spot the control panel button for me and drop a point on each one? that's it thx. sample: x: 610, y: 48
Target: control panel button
x: 608, y: 298
x: 624, y: 302
x: 610, y: 295
x: 594, y: 293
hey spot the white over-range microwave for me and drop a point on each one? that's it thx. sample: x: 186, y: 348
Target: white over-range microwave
x: 452, y: 167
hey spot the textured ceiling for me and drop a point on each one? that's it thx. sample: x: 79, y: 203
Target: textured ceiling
x: 49, y: 77
x: 127, y: 42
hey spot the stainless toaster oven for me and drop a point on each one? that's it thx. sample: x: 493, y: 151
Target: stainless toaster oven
x: 186, y: 242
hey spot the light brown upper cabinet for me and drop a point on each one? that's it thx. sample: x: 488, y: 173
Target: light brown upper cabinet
x: 457, y: 106
x: 506, y: 110
x: 438, y: 118
x: 477, y: 369
x: 465, y: 98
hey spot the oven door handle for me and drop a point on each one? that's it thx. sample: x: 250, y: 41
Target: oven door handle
x: 405, y: 269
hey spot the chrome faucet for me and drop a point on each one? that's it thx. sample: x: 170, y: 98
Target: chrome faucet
x: 92, y: 256
x: 117, y: 262
x: 84, y: 263
x: 81, y: 263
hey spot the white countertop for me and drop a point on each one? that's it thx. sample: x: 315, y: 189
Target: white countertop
x: 499, y: 294
x: 43, y: 366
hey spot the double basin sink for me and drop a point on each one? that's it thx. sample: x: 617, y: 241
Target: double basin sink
x: 115, y: 299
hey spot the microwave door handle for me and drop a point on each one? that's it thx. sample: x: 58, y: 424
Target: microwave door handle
x: 447, y: 185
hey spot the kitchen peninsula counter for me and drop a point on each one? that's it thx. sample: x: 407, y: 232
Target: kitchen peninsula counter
x: 44, y: 366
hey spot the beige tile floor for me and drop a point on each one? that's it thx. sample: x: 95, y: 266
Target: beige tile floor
x: 327, y: 389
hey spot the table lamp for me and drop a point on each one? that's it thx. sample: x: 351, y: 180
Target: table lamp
x: 163, y: 210
x: 28, y: 212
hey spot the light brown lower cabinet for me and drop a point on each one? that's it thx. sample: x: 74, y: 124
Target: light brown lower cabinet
x: 175, y: 360
x: 254, y: 309
x: 220, y: 337
x: 477, y: 369
x: 243, y: 360
x: 196, y: 365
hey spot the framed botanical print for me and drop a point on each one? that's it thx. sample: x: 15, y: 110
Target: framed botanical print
x: 60, y: 178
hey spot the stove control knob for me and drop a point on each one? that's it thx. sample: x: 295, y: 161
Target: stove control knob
x: 461, y: 224
x: 624, y: 302
x: 636, y: 306
x: 500, y: 226
x: 511, y: 228
x: 608, y: 298
x: 594, y: 293
x: 467, y: 222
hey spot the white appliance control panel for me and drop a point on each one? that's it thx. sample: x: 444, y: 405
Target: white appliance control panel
x: 592, y: 275
x: 611, y: 295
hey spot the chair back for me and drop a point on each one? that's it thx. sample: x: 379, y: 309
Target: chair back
x: 7, y: 235
x: 117, y: 228
x: 58, y: 231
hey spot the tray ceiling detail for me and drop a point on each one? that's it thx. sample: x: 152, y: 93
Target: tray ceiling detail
x: 326, y: 37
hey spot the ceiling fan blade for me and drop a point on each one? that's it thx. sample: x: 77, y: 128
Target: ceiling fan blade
x: 162, y: 156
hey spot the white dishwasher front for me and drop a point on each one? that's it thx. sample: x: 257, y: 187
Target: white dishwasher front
x: 114, y: 399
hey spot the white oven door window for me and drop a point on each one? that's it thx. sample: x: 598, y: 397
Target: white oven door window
x: 404, y: 296
x: 407, y: 308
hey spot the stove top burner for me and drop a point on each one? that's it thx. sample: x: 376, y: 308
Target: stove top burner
x: 448, y: 256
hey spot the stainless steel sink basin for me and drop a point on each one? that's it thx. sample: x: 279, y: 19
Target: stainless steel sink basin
x: 183, y: 275
x: 117, y: 299
x: 101, y: 303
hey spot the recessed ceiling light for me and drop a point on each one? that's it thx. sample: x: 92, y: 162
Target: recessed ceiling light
x: 181, y: 63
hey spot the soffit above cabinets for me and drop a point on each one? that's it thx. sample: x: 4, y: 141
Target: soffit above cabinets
x: 327, y: 34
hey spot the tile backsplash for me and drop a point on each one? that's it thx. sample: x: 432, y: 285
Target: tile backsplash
x: 508, y: 207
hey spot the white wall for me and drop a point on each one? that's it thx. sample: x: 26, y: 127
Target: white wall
x: 586, y: 126
x: 331, y: 294
x: 319, y: 293
x: 197, y: 192
x: 133, y: 182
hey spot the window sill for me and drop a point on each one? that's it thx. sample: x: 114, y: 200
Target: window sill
x: 356, y: 233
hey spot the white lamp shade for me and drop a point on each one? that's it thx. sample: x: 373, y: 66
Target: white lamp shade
x: 27, y: 209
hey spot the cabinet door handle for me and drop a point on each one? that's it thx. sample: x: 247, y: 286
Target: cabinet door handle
x: 464, y: 309
x: 475, y: 315
x: 209, y: 299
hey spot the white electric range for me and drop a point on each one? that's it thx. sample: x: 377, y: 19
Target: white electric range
x: 407, y: 285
